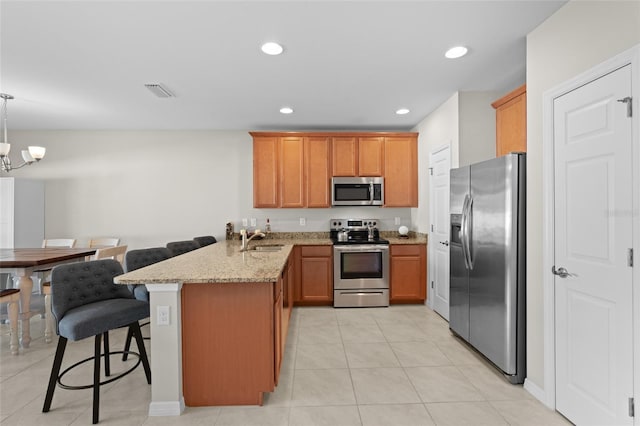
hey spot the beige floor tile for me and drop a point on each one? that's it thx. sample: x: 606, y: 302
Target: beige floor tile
x: 419, y: 354
x: 281, y: 396
x: 322, y: 387
x: 250, y: 416
x: 395, y: 414
x: 355, y: 316
x: 460, y: 353
x: 441, y: 384
x: 492, y: 384
x: 190, y: 416
x: 465, y: 414
x: 529, y: 413
x: 369, y: 355
x: 365, y: 333
x: 403, y: 332
x: 383, y: 386
x: 317, y: 317
x: 320, y: 334
x: 328, y: 355
x: 325, y: 416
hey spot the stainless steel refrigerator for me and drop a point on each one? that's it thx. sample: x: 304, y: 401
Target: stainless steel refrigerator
x: 488, y: 260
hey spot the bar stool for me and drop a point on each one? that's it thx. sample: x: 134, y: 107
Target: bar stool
x: 179, y: 247
x: 11, y: 297
x: 206, y: 240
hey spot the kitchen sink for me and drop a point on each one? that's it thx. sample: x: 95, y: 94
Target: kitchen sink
x: 267, y: 247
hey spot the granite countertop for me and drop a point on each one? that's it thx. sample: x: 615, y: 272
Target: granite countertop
x: 217, y: 263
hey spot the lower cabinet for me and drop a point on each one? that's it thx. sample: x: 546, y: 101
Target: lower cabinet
x: 314, y: 284
x: 408, y: 273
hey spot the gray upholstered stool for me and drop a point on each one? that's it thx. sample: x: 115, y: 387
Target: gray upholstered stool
x: 179, y: 247
x: 85, y: 303
x: 206, y: 240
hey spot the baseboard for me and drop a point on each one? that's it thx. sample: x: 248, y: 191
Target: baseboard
x: 166, y: 408
x: 538, y: 393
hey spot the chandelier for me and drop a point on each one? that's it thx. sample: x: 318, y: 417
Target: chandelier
x: 34, y: 154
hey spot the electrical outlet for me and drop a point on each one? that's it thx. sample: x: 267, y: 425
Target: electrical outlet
x: 253, y: 221
x: 397, y: 220
x: 164, y: 316
x: 303, y: 221
x: 245, y: 222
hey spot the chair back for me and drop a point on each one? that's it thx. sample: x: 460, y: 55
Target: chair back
x: 116, y: 253
x: 179, y: 247
x: 136, y: 259
x: 59, y: 242
x: 77, y: 284
x: 103, y: 242
x: 206, y: 240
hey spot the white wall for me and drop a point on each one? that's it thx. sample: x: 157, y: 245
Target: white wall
x: 579, y: 36
x: 477, y: 126
x: 151, y: 187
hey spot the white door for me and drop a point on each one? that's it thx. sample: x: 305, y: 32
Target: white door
x: 440, y: 164
x: 593, y: 235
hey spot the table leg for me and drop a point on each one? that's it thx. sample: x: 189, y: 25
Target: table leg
x: 26, y: 286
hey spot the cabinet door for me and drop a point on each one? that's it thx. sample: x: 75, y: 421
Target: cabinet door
x: 401, y: 171
x: 511, y: 122
x: 316, y: 274
x: 318, y: 171
x: 345, y: 156
x: 408, y: 273
x: 292, y: 172
x: 371, y: 156
x: 265, y: 172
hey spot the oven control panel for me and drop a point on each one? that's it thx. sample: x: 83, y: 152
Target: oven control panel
x: 353, y: 224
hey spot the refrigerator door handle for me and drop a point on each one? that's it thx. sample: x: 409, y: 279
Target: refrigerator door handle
x: 468, y: 235
x: 463, y: 231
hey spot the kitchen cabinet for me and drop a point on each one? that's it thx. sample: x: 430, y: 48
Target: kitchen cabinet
x: 511, y: 122
x: 291, y: 176
x: 266, y: 154
x: 315, y: 285
x: 358, y: 156
x: 401, y: 171
x: 408, y: 273
x: 317, y: 151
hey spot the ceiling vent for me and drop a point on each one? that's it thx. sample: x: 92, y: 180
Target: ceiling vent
x: 159, y: 90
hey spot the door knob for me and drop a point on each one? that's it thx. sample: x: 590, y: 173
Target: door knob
x: 444, y: 243
x: 561, y: 272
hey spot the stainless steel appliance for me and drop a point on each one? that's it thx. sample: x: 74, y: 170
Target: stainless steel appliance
x: 487, y: 259
x: 357, y: 191
x: 360, y: 263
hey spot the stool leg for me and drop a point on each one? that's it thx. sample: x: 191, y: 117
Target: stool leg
x: 135, y: 329
x: 48, y: 317
x: 55, y: 370
x: 127, y: 344
x: 96, y: 379
x: 107, y: 363
x: 12, y: 309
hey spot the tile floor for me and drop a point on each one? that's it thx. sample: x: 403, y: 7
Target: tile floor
x: 384, y: 366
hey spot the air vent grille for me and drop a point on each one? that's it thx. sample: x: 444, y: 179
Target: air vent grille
x: 159, y: 90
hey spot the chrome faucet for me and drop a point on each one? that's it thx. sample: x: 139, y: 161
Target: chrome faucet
x: 245, y: 240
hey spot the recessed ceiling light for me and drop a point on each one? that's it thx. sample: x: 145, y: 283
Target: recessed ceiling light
x: 402, y: 111
x: 286, y: 110
x: 272, y: 48
x: 456, y: 52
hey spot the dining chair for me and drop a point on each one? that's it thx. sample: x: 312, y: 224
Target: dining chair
x: 59, y: 242
x: 87, y: 303
x: 136, y: 259
x: 116, y: 252
x: 180, y: 247
x: 205, y: 240
x: 103, y: 242
x: 11, y: 297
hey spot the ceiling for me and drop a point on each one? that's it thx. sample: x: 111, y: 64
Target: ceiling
x: 347, y: 65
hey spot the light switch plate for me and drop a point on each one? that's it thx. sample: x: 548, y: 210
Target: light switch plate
x: 245, y: 222
x: 303, y: 221
x: 397, y: 220
x: 253, y: 221
x: 164, y: 315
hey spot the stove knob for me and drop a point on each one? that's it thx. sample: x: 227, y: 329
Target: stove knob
x: 374, y: 224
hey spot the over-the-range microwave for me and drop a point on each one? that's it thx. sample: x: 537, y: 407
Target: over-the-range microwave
x: 357, y: 191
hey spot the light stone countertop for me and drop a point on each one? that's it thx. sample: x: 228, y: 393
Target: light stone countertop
x: 217, y: 263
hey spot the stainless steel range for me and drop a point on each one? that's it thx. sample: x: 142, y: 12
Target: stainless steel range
x: 360, y: 263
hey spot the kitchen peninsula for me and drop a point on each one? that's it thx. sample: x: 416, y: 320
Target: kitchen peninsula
x: 219, y: 319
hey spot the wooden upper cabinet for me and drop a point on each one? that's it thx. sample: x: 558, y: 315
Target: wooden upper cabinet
x: 511, y: 122
x: 292, y: 193
x: 345, y: 156
x: 265, y: 172
x: 371, y: 156
x: 317, y: 154
x: 401, y: 171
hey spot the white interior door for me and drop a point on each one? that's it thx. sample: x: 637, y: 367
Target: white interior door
x: 593, y: 235
x: 440, y: 164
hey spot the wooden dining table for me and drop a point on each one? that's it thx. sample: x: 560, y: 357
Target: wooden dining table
x: 23, y: 262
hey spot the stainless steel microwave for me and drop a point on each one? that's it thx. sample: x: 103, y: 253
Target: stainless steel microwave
x: 357, y: 191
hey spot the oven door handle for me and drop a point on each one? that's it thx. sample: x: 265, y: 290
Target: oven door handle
x: 363, y: 248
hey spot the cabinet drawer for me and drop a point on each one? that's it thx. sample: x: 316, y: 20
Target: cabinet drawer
x: 316, y: 251
x: 405, y: 250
